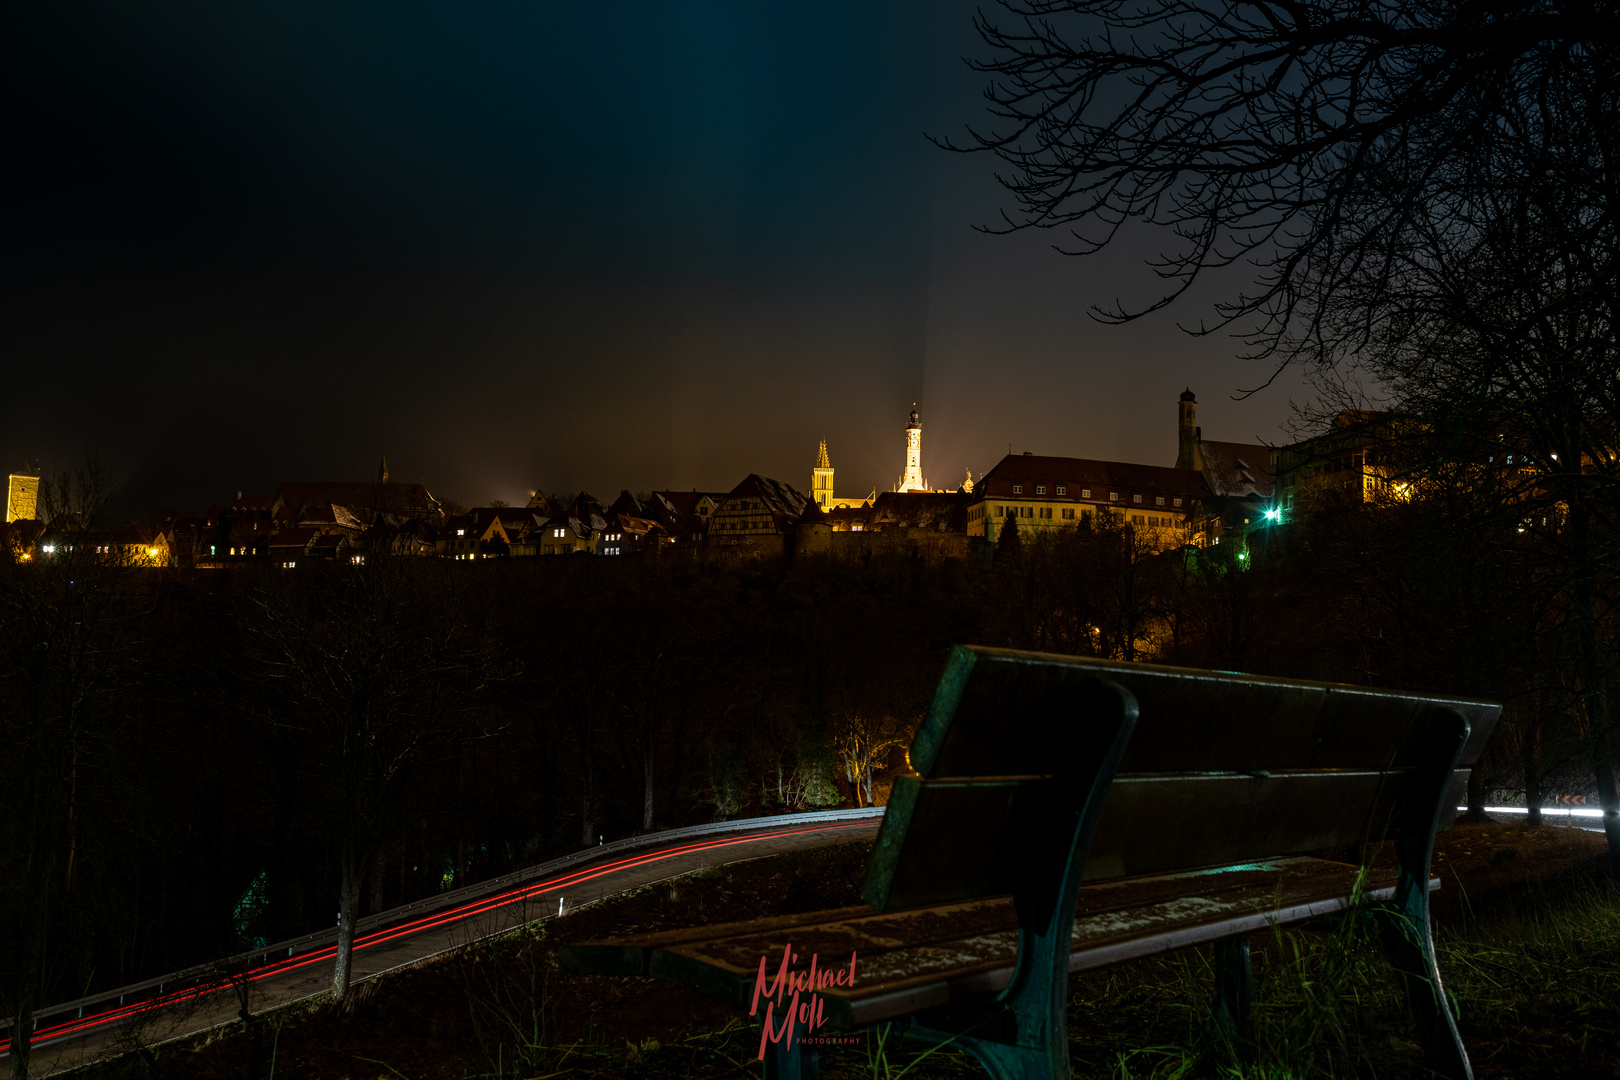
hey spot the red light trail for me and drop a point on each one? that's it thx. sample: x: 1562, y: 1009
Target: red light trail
x: 79, y: 1025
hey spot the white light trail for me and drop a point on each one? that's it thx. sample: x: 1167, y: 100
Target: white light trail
x: 1566, y: 811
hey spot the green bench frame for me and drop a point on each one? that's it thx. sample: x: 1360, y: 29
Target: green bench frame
x: 1190, y: 801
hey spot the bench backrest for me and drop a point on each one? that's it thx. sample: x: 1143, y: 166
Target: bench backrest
x: 1221, y: 769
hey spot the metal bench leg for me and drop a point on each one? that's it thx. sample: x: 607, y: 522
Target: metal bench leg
x: 1408, y: 943
x: 1234, y: 988
x: 1023, y: 1034
x: 1404, y: 928
x: 795, y: 1062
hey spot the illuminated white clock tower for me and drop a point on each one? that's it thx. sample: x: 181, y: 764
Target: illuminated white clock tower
x: 913, y: 480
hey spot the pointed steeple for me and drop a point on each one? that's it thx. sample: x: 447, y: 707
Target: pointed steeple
x: 821, y: 478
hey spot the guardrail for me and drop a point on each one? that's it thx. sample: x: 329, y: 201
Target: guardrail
x: 220, y: 969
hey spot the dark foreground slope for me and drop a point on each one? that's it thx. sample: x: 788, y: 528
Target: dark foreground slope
x: 1530, y: 939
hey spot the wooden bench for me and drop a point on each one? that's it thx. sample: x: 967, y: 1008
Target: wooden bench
x: 1193, y: 804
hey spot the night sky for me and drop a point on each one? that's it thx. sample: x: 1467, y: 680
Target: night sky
x: 567, y: 246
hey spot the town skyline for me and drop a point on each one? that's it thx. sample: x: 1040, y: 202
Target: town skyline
x: 1159, y: 439
x: 280, y: 245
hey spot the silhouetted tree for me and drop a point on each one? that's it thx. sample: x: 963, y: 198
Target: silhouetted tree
x: 1261, y: 131
x: 372, y: 665
x: 60, y: 617
x: 1009, y: 547
x: 1494, y: 334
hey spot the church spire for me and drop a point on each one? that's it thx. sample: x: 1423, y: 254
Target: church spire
x: 821, y: 478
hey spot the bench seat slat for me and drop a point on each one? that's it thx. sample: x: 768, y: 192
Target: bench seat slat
x: 1157, y: 929
x: 628, y: 955
x: 1153, y: 824
x: 924, y: 957
x: 995, y: 705
x: 1150, y: 824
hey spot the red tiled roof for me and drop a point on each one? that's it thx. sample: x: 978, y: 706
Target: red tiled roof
x: 298, y: 538
x: 391, y: 498
x: 813, y: 514
x: 685, y: 502
x: 1077, y: 474
x: 778, y: 498
x: 942, y: 510
x: 517, y: 517
x: 1237, y: 468
x: 630, y: 523
x: 846, y: 515
x: 759, y: 494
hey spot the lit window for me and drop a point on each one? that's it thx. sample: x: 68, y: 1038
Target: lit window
x: 461, y: 532
x: 1176, y: 501
x: 1113, y: 496
x: 1040, y: 489
x: 1063, y: 489
x: 1018, y: 489
x: 998, y: 511
x: 1085, y: 493
x: 1159, y: 501
x: 1137, y: 499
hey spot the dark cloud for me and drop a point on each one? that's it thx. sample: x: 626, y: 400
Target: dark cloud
x: 642, y: 245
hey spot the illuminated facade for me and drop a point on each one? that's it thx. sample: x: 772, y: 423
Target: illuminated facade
x: 1349, y: 461
x: 912, y: 478
x: 821, y: 486
x: 821, y: 478
x: 22, y: 498
x: 1041, y: 492
x: 755, y: 517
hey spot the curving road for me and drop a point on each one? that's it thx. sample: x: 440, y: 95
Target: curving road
x: 187, y: 1002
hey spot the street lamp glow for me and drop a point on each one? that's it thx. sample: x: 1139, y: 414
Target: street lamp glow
x: 1273, y: 514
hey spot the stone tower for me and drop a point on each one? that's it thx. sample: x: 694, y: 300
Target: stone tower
x: 912, y: 480
x: 821, y: 479
x: 22, y: 496
x: 1188, y: 454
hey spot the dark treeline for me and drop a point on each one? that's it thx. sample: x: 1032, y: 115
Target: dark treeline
x: 201, y: 762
